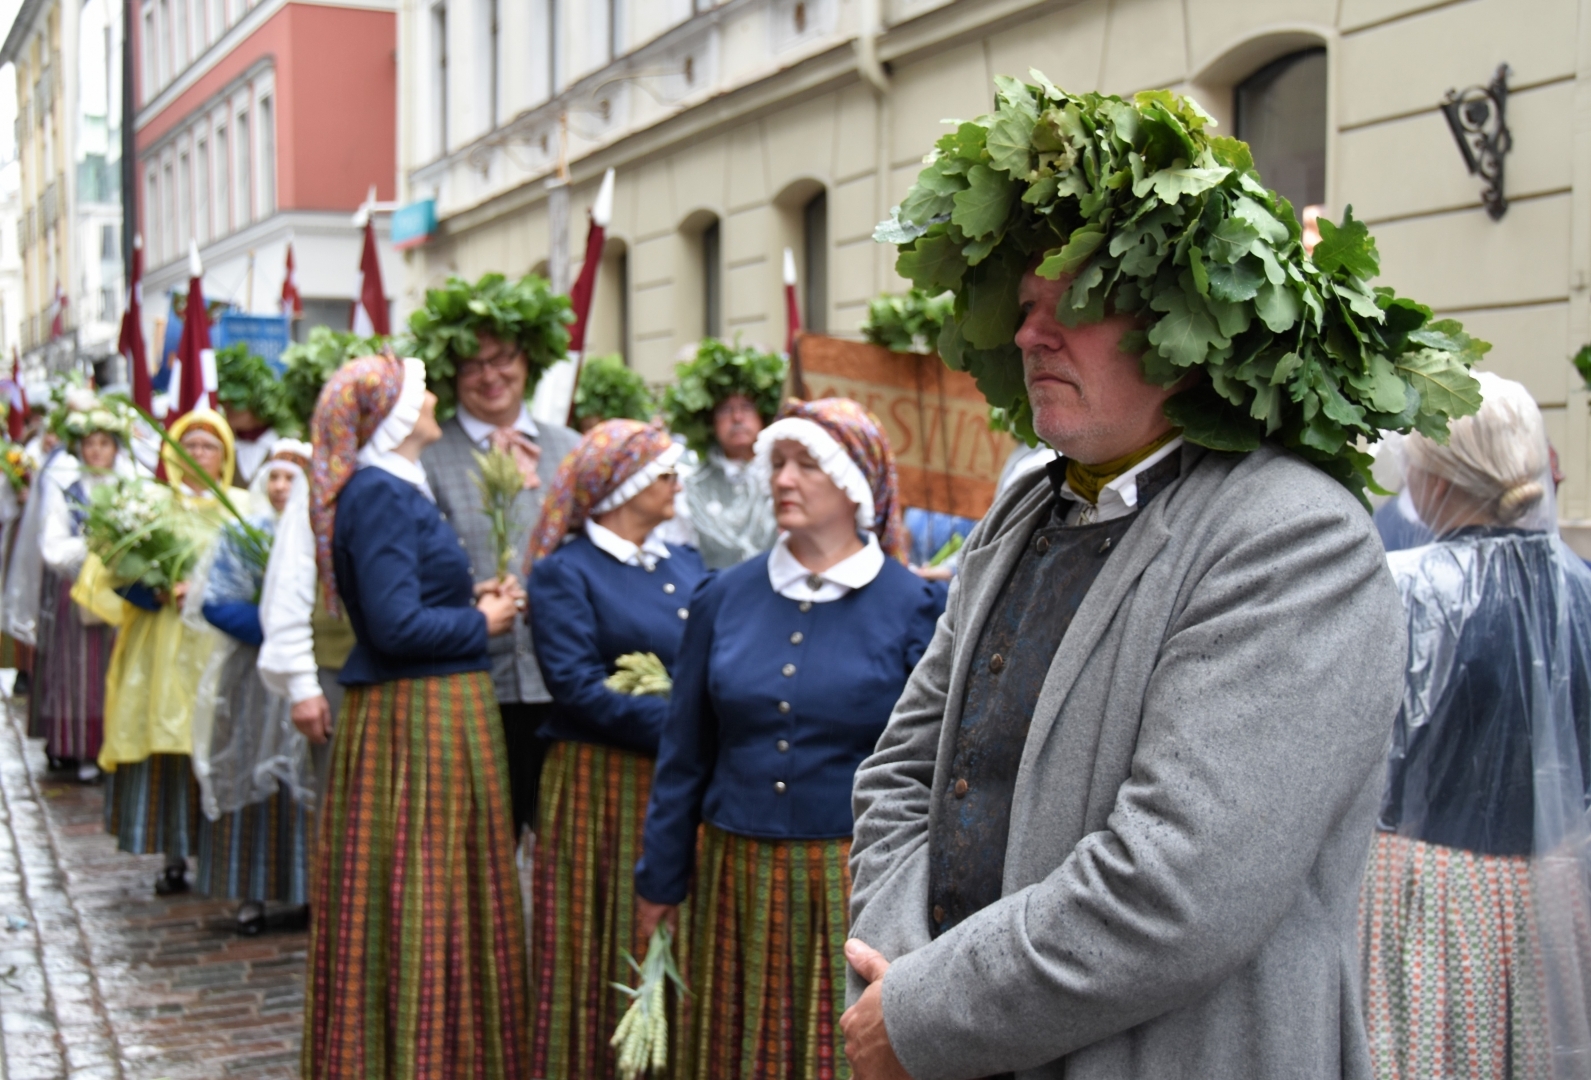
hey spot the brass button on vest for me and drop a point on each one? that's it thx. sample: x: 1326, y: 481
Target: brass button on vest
x: 996, y: 663
x: 1042, y: 544
x: 961, y: 788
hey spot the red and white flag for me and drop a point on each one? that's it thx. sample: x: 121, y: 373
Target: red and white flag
x: 194, y: 354
x: 292, y: 302
x: 131, y: 342
x: 16, y: 400
x: 58, y: 322
x: 792, y: 305
x: 369, y: 314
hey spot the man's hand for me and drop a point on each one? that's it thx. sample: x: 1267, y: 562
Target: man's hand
x: 866, y: 1040
x: 312, y: 717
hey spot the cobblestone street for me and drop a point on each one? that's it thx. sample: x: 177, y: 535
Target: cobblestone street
x: 98, y: 977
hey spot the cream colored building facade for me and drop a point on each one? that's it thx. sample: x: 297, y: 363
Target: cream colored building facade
x: 745, y: 127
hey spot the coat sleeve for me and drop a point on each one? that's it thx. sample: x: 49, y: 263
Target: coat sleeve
x: 388, y: 584
x: 891, y: 799
x: 235, y: 618
x: 564, y: 627
x: 1264, y: 723
x: 686, y: 753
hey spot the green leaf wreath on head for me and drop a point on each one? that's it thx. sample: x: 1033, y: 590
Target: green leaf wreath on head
x: 718, y: 371
x: 311, y: 362
x: 1154, y: 217
x: 526, y: 313
x: 909, y: 323
x: 246, y: 382
x: 610, y: 391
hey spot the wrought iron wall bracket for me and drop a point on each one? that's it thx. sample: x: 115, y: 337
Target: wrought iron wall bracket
x: 1478, y: 117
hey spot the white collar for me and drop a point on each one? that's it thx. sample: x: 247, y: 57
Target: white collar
x: 395, y: 463
x: 730, y: 468
x: 479, y: 430
x: 1119, y: 497
x: 795, y: 582
x: 646, y: 554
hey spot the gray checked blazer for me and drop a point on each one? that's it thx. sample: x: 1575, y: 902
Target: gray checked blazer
x: 448, y: 469
x: 1194, y: 806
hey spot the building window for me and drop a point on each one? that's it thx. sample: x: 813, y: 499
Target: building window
x: 494, y: 75
x: 152, y: 213
x: 201, y: 187
x: 439, y: 76
x: 223, y: 183
x: 712, y: 281
x: 182, y: 49
x: 815, y: 252
x: 168, y: 213
x: 148, y: 52
x: 107, y: 243
x: 245, y: 203
x: 554, y: 76
x: 615, y: 29
x: 267, y: 158
x: 165, y: 43
x: 184, y: 203
x: 1280, y: 111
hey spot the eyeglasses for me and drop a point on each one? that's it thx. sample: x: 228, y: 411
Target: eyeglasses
x: 501, y: 364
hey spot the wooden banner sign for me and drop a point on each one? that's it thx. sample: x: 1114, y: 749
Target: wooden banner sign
x: 938, y: 424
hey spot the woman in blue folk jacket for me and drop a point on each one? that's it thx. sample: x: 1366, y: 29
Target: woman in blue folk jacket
x: 602, y: 586
x: 791, y: 665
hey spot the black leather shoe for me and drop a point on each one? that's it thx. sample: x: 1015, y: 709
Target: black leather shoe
x: 173, y: 882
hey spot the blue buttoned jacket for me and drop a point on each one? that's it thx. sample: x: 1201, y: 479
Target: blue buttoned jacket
x: 775, y: 704
x: 587, y: 609
x: 405, y: 583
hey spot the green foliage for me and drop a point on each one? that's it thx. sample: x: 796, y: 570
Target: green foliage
x: 445, y: 331
x: 718, y: 371
x: 245, y: 382
x: 908, y: 323
x: 142, y: 532
x: 14, y: 465
x: 310, y: 363
x: 498, y: 479
x: 1153, y: 217
x: 610, y: 391
x: 1582, y: 364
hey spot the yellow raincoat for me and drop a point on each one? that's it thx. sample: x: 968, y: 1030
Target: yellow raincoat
x: 158, y: 659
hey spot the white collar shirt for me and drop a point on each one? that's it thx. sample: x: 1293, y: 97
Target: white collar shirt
x: 395, y: 463
x: 646, y: 554
x: 1118, y: 498
x: 480, y: 432
x: 795, y: 582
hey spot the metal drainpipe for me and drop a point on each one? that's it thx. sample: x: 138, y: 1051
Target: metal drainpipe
x: 867, y: 62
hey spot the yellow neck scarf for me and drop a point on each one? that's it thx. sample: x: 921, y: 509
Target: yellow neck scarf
x: 1087, y: 480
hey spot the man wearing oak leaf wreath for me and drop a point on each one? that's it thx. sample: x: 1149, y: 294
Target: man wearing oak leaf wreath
x: 1117, y: 823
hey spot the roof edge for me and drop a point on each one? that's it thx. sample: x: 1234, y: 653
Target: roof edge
x: 21, y: 28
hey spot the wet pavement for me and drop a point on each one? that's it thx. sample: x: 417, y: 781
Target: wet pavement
x: 99, y: 978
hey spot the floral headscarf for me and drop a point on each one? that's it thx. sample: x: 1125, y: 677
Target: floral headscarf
x: 609, y: 454
x: 851, y: 428
x: 354, y: 402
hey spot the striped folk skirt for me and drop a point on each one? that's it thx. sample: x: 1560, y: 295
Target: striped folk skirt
x: 259, y: 853
x: 1473, y: 963
x: 593, y: 804
x: 66, y: 707
x: 417, y: 943
x: 762, y: 949
x: 152, y: 807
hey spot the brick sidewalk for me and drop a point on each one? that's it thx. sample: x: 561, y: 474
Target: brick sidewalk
x: 98, y: 977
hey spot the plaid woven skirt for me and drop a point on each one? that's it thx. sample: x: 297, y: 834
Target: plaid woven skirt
x: 417, y: 946
x: 66, y: 706
x: 762, y: 948
x: 258, y: 853
x: 593, y: 803
x: 152, y: 806
x: 1466, y: 957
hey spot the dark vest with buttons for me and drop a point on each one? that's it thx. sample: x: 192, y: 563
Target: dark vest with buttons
x: 966, y: 848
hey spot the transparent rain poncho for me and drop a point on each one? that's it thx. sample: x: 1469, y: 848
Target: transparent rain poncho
x: 25, y: 569
x: 1488, y: 775
x: 244, y: 741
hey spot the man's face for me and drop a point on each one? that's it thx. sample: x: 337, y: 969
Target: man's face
x: 736, y: 425
x: 491, y: 384
x: 1090, y: 399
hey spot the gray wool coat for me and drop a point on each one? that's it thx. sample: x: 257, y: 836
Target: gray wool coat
x: 449, y: 469
x: 1194, y: 806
